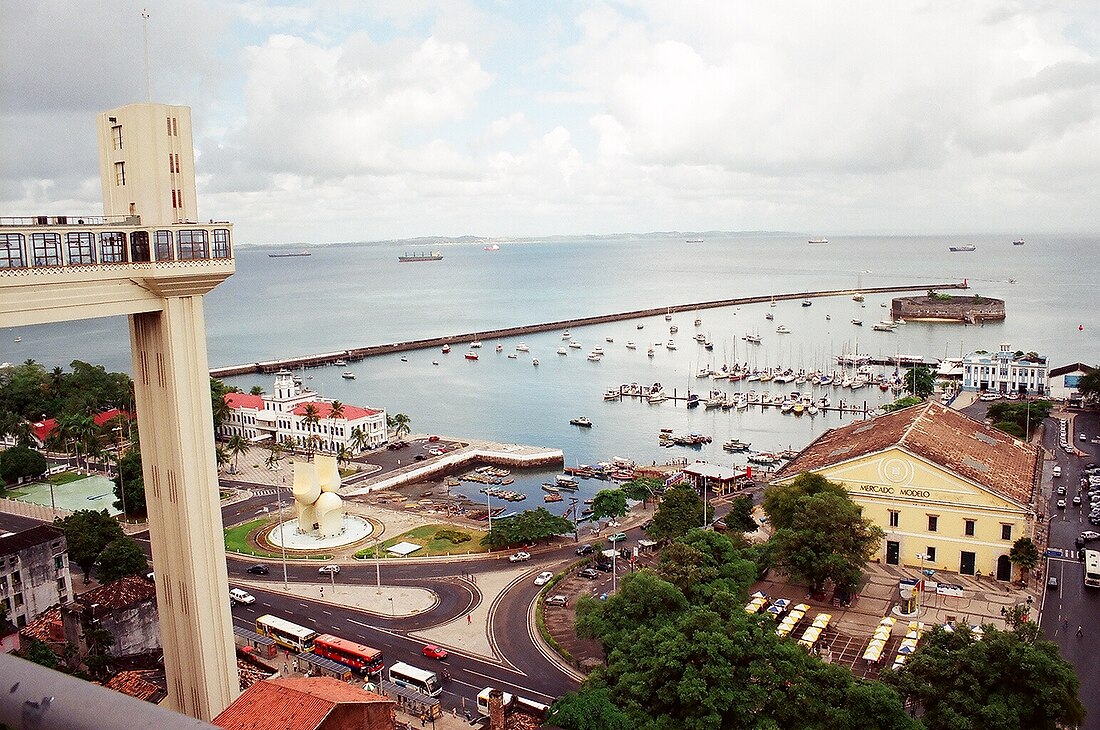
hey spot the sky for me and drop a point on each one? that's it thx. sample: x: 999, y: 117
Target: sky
x: 343, y: 120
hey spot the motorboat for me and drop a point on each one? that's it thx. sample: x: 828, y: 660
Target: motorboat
x: 670, y: 345
x: 708, y: 345
x: 630, y: 345
x: 673, y: 329
x: 703, y: 372
x: 475, y: 344
x: 563, y: 351
x: 445, y: 349
x: 471, y: 355
x: 752, y: 338
x: 698, y: 322
x: 611, y: 394
x: 512, y: 356
x: 535, y: 361
x: 522, y: 348
x: 574, y: 344
x: 340, y: 363
x: 857, y: 322
x: 650, y: 352
x: 963, y: 247
x: 884, y: 326
x: 608, y: 339
x: 807, y: 303
x: 641, y: 326
x: 566, y: 336
x: 404, y: 358
x: 693, y: 400
x: 769, y: 316
x: 500, y: 348
x: 582, y: 421
x: 348, y: 375
x: 783, y: 330
x: 595, y: 356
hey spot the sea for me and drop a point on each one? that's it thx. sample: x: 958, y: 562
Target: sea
x: 354, y: 295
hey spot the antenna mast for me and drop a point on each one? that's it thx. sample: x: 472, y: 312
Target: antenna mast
x: 145, y: 35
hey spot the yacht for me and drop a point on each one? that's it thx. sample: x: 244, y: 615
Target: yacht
x: 566, y: 336
x: 522, y: 348
x: 783, y: 329
x: 563, y: 351
x: 708, y: 345
x: 475, y: 344
x: 340, y: 363
x: 598, y: 351
x: 583, y: 422
x: 630, y: 345
x: 574, y: 344
x: 670, y: 345
x: 703, y: 372
x: 348, y: 375
x: 595, y: 356
x: 471, y: 355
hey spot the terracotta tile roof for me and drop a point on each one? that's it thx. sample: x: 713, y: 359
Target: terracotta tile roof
x: 295, y: 703
x: 244, y: 400
x: 979, y: 453
x: 351, y: 413
x: 43, y: 429
x: 149, y: 685
x: 46, y: 627
x: 119, y: 594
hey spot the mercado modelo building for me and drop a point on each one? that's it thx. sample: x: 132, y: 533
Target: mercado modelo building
x: 951, y: 493
x: 285, y: 414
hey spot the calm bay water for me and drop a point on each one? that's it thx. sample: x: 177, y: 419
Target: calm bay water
x: 355, y: 295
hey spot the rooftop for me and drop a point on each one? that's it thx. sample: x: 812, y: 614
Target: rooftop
x: 292, y: 702
x: 979, y: 453
x: 118, y: 594
x: 36, y: 535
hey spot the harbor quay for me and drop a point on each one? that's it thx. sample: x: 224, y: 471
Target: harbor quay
x: 360, y: 353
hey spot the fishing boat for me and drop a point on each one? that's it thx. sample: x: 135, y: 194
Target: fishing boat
x: 963, y: 247
x: 708, y: 345
x: 471, y: 355
x: 564, y: 481
x: 347, y: 375
x: 446, y: 348
x: 581, y: 421
x: 668, y: 315
x: 552, y: 497
x: 421, y: 256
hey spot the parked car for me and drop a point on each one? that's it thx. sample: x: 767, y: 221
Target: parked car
x: 436, y: 452
x: 519, y: 557
x: 584, y: 550
x: 617, y: 537
x: 420, y: 457
x: 1057, y: 471
x: 258, y: 570
x: 326, y: 569
x: 556, y: 601
x: 433, y: 439
x: 543, y: 578
x: 236, y: 595
x: 1088, y: 535
x: 434, y: 652
x: 589, y: 573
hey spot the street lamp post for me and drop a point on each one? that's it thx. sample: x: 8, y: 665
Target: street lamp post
x: 282, y: 534
x: 920, y: 585
x: 378, y: 568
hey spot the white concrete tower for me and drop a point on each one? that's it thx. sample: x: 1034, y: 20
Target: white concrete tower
x: 155, y: 270
x: 147, y: 163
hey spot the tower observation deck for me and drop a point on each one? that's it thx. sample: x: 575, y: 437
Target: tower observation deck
x: 148, y: 259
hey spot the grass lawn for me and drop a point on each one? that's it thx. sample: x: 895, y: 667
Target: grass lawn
x: 433, y: 543
x: 67, y: 476
x: 236, y: 540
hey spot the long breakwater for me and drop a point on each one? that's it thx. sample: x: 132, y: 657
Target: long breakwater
x: 360, y: 353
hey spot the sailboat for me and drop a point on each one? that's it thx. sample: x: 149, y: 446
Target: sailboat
x: 858, y: 297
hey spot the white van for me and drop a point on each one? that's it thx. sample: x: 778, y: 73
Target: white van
x: 238, y: 596
x: 1057, y: 471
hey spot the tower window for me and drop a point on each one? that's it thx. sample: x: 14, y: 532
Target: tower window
x: 120, y: 173
x: 116, y: 136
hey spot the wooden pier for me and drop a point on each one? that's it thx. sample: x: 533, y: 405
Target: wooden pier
x: 841, y: 407
x: 359, y: 353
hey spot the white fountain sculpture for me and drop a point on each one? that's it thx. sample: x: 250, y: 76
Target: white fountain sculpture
x: 320, y: 508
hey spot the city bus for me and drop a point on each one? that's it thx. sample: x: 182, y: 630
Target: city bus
x: 288, y: 634
x: 363, y: 659
x: 1092, y: 568
x: 421, y: 680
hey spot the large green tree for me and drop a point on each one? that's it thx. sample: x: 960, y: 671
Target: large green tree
x: 588, y: 710
x: 820, y: 533
x: 130, y: 484
x: 919, y: 381
x: 609, y: 503
x: 87, y: 533
x: 643, y: 489
x: 1005, y: 680
x: 1016, y: 417
x: 739, y: 518
x: 1024, y: 555
x: 526, y: 527
x: 681, y: 510
x: 21, y: 462
x: 1089, y: 386
x: 122, y: 557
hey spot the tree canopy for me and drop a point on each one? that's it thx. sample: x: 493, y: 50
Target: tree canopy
x: 1089, y: 386
x: 739, y: 518
x: 681, y: 510
x: 820, y: 534
x: 1003, y: 680
x: 1013, y: 416
x: 21, y: 462
x: 526, y: 527
x: 122, y: 557
x: 87, y: 533
x: 609, y: 503
x: 919, y: 381
x: 131, y: 482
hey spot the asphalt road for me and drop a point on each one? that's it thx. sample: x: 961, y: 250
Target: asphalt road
x: 1072, y: 604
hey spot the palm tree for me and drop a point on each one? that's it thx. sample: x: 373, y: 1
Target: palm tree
x: 336, y: 412
x: 399, y: 422
x: 236, y: 446
x: 311, y: 417
x: 221, y: 456
x: 343, y: 455
x: 256, y: 390
x: 274, y: 455
x: 359, y: 440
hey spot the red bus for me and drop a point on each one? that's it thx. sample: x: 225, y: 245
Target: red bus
x: 361, y: 658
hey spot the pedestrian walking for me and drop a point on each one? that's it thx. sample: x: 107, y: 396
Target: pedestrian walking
x: 1080, y: 632
x: 469, y: 619
x: 1065, y: 624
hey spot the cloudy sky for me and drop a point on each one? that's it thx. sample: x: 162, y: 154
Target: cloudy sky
x: 345, y: 120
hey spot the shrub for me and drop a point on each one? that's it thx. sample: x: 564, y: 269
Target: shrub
x: 454, y: 536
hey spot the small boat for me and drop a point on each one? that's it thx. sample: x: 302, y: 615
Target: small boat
x: 347, y: 375
x: 574, y: 344
x: 807, y: 303
x: 582, y: 421
x: 650, y: 352
x: 693, y: 240
x: 630, y: 345
x: 404, y: 359
x: 512, y: 356
x: 857, y: 322
x: 522, y: 348
x: 491, y: 247
x: 595, y: 356
x: 827, y: 317
x: 668, y: 315
x: 471, y: 355
x: 708, y: 345
x: 563, y: 351
x: 535, y: 361
x: 20, y: 339
x: 884, y: 326
x: 611, y: 394
x: 340, y: 363
x: 435, y: 362
x: 964, y: 247
x: 769, y: 316
x: 673, y: 329
x: 446, y: 349
x: 858, y: 297
x: 475, y: 344
x: 552, y: 497
x: 670, y: 345
x: 566, y: 336
x: 698, y: 322
x: 641, y: 326
x: 753, y: 339
x: 692, y: 400
x: 783, y: 329
x: 564, y: 481
x: 598, y: 351
x: 608, y: 339
x: 500, y: 348
x: 1018, y: 242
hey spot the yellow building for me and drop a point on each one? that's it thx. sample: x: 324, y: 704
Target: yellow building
x: 940, y: 484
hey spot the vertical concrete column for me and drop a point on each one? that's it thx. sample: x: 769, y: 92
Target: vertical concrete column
x: 172, y: 391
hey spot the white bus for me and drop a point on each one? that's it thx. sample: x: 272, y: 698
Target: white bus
x: 288, y: 634
x: 421, y: 680
x: 1092, y: 568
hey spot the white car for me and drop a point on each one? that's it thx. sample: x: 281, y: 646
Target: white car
x: 1090, y: 535
x: 236, y: 595
x: 519, y: 557
x: 543, y: 578
x: 1082, y: 437
x: 325, y: 569
x: 1061, y: 504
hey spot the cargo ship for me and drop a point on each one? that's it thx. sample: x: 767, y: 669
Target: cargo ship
x: 288, y: 255
x: 422, y: 256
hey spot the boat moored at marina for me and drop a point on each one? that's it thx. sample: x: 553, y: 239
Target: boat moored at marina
x: 347, y: 375
x: 582, y: 421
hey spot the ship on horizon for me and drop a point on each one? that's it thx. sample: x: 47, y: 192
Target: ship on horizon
x: 818, y: 241
x: 422, y: 256
x: 288, y: 255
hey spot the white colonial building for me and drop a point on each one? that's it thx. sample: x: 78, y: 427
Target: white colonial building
x: 1005, y: 371
x: 284, y: 414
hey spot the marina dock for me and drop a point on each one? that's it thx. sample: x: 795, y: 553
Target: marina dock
x: 360, y: 353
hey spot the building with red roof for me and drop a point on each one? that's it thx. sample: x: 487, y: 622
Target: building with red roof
x: 300, y: 415
x: 307, y: 703
x: 42, y: 430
